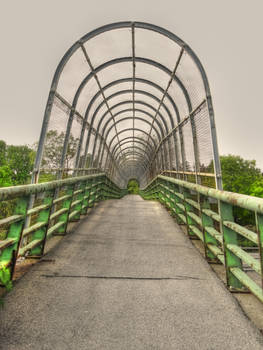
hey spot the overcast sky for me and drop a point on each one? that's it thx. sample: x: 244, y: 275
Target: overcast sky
x: 226, y: 35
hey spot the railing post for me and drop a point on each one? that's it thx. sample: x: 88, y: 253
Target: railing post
x: 79, y: 197
x: 85, y: 203
x: 10, y: 253
x: 166, y: 192
x: 188, y: 208
x: 229, y: 237
x: 207, y: 221
x: 172, y: 198
x: 97, y: 190
x: 67, y: 205
x: 92, y: 194
x: 104, y: 188
x: 41, y: 233
x: 179, y: 205
x: 161, y: 192
x: 259, y: 223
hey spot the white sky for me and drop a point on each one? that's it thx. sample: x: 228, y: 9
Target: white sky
x: 226, y: 35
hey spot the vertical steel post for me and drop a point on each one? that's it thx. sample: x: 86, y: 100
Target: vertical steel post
x: 259, y: 223
x: 67, y: 205
x: 207, y: 222
x: 43, y: 217
x: 9, y: 255
x: 229, y: 237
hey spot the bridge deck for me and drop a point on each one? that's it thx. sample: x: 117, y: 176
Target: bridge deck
x: 126, y: 278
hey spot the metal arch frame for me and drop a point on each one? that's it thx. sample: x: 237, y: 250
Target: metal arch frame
x: 129, y: 147
x: 127, y: 154
x: 105, y: 133
x: 128, y: 118
x: 152, y: 84
x: 94, y: 74
x: 134, y: 118
x: 140, y: 80
x: 105, y: 65
x: 133, y: 25
x: 115, y: 148
x: 120, y: 93
x: 128, y: 129
x: 133, y: 160
x: 126, y: 110
x: 138, y: 110
x: 144, y: 81
x: 138, y: 161
x: 125, y: 130
x: 129, y: 91
x: 108, y: 98
x: 143, y: 120
x: 138, y: 140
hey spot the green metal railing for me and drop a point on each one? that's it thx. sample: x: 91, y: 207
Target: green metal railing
x: 208, y: 215
x: 206, y: 212
x: 56, y: 204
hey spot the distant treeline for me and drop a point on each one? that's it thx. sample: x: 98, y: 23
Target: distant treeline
x: 16, y: 165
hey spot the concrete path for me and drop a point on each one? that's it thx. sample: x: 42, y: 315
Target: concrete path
x: 126, y: 278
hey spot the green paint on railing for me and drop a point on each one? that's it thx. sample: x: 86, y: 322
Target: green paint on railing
x: 191, y: 204
x: 62, y: 201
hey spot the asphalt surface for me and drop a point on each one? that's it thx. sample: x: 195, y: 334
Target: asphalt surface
x: 126, y: 278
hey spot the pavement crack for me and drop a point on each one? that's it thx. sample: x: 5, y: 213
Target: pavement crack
x: 124, y: 277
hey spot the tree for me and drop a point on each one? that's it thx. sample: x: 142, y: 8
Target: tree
x: 257, y: 188
x: 2, y: 153
x: 20, y: 160
x: 54, y: 147
x: 5, y: 176
x: 16, y: 164
x: 133, y: 186
x: 5, y: 171
x: 239, y: 174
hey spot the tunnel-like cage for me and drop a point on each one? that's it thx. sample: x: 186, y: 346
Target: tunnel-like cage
x: 130, y: 99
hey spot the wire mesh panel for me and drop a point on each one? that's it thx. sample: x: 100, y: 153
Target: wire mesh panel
x: 133, y: 100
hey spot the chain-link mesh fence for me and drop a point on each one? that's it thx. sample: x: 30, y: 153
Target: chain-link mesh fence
x: 132, y: 100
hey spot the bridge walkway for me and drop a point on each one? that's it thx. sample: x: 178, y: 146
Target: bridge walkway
x: 125, y: 278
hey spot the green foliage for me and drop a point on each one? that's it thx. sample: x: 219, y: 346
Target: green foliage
x: 256, y: 188
x: 133, y: 186
x: 2, y: 153
x: 46, y: 177
x: 5, y: 278
x: 20, y: 160
x: 5, y: 176
x: 16, y: 164
x: 241, y: 176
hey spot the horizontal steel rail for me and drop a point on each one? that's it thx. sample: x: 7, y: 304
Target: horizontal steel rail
x: 208, y: 216
x: 57, y: 204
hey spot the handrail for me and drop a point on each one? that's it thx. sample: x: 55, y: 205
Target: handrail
x: 237, y: 199
x: 7, y: 193
x: 208, y: 215
x: 59, y: 203
x: 206, y: 212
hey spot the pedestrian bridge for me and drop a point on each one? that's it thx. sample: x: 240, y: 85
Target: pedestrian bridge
x: 129, y: 100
